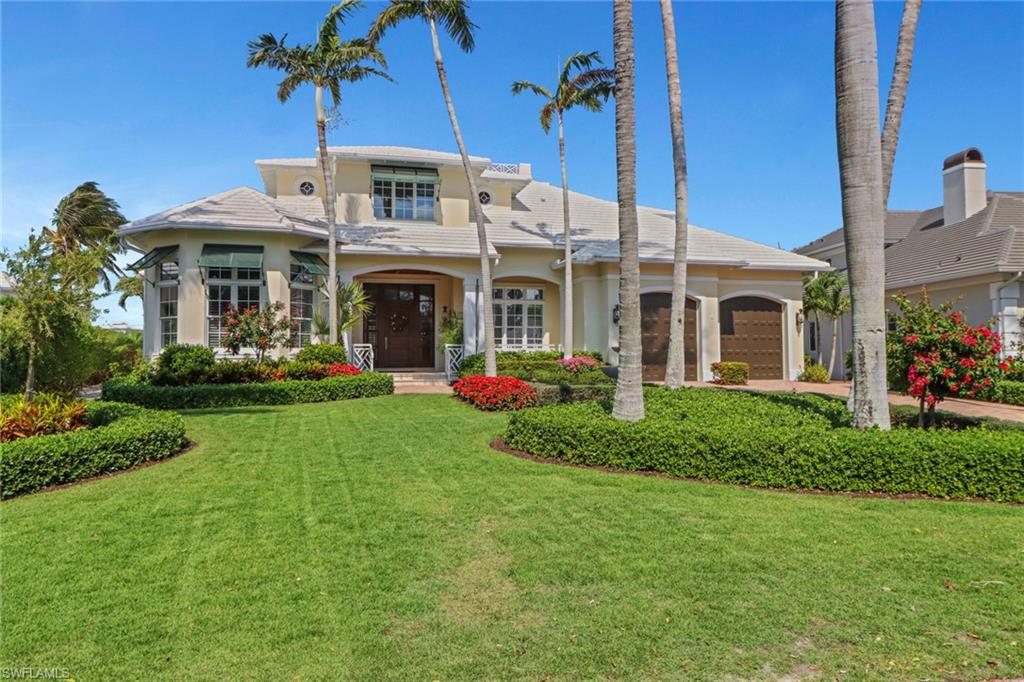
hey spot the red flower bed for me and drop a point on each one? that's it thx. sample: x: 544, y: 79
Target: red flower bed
x: 495, y: 393
x: 342, y: 369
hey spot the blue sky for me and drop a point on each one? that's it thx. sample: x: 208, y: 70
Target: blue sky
x: 154, y: 102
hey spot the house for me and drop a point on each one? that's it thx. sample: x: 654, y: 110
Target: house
x: 6, y: 285
x: 969, y: 249
x: 406, y: 233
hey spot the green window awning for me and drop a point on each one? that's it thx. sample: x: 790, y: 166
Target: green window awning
x: 426, y: 176
x: 313, y: 264
x: 155, y: 257
x: 231, y: 256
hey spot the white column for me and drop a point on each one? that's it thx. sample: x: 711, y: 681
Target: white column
x: 1006, y: 306
x: 150, y: 315
x: 707, y: 323
x: 612, y: 298
x: 470, y: 323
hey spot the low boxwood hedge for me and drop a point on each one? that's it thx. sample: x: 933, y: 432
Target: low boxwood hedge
x: 284, y: 392
x: 1010, y: 392
x: 520, y: 361
x: 119, y: 436
x: 550, y: 394
x: 773, y: 442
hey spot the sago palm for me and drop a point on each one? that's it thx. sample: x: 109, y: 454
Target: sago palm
x: 452, y: 16
x: 581, y: 83
x: 326, y: 65
x: 87, y: 219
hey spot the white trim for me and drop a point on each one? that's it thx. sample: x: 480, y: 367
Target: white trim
x: 425, y: 267
x: 526, y: 273
x: 758, y: 293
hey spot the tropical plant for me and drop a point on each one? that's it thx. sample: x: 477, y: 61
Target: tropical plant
x: 898, y: 92
x: 814, y: 301
x: 451, y: 330
x: 675, y: 369
x: 860, y: 175
x: 629, y: 397
x: 87, y: 219
x: 353, y: 303
x: 47, y: 413
x: 825, y: 293
x: 326, y: 65
x: 581, y: 83
x: 129, y: 286
x: 261, y: 330
x: 454, y: 19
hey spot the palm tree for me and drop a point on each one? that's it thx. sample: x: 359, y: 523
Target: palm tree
x: 129, y: 286
x: 860, y: 175
x: 589, y: 88
x: 814, y: 303
x: 353, y: 303
x: 675, y: 370
x: 453, y: 17
x: 834, y: 303
x: 88, y: 219
x: 629, y: 396
x: 898, y: 92
x: 325, y: 65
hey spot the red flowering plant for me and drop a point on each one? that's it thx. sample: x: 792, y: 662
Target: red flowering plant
x: 255, y: 329
x: 933, y: 354
x: 342, y: 369
x: 577, y: 364
x: 495, y: 393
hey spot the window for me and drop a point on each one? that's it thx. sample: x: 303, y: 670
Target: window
x: 519, y: 317
x: 301, y: 311
x: 307, y: 188
x: 229, y: 287
x: 404, y: 193
x: 167, y: 297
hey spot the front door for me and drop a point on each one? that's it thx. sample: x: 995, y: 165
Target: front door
x: 401, y: 324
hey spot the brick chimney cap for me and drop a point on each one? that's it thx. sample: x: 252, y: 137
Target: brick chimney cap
x: 969, y: 154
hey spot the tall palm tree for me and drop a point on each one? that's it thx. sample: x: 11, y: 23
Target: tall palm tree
x: 629, y: 396
x: 453, y: 17
x: 898, y: 92
x: 129, y: 286
x: 860, y: 176
x: 325, y: 65
x: 589, y: 87
x: 87, y: 219
x: 675, y: 370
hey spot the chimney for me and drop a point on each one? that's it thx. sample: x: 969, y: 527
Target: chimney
x: 963, y: 185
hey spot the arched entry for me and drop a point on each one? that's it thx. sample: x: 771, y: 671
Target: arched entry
x: 751, y: 332
x: 655, y: 318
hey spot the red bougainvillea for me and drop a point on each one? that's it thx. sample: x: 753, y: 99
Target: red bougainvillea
x: 495, y: 393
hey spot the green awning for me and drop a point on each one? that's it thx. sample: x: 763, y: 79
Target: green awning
x: 313, y: 264
x: 426, y: 176
x: 231, y: 256
x: 155, y: 257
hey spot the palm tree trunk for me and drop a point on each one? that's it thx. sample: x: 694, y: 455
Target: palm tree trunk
x: 490, y: 364
x: 860, y: 175
x: 675, y: 371
x: 330, y: 197
x: 817, y: 335
x: 567, y: 342
x: 30, y: 376
x: 898, y: 92
x: 629, y: 396
x: 832, y: 354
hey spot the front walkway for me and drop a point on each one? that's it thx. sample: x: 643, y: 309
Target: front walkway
x: 971, y: 408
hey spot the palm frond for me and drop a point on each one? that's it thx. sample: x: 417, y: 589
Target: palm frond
x: 268, y: 51
x: 521, y: 86
x: 453, y: 17
x: 547, y: 112
x: 395, y: 13
x: 580, y: 61
x: 337, y: 15
x: 290, y: 83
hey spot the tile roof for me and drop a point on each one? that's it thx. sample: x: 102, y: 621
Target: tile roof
x: 898, y: 225
x: 403, y: 155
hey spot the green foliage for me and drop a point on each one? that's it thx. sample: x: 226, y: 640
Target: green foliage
x: 86, y: 221
x: 182, y: 364
x: 46, y: 413
x: 730, y: 373
x: 283, y: 392
x: 324, y: 353
x: 120, y: 437
x: 1010, y: 392
x: 815, y: 374
x: 520, y: 361
x: 451, y: 330
x: 581, y: 83
x: 259, y: 329
x: 787, y: 442
x: 111, y: 353
x: 552, y: 393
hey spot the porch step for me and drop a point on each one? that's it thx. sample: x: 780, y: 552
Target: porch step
x: 418, y: 377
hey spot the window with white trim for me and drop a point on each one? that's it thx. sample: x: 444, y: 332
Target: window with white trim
x: 519, y: 317
x: 404, y: 196
x: 238, y: 288
x: 167, y: 296
x: 303, y: 293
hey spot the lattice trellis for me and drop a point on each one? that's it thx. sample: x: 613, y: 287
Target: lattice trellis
x: 362, y: 356
x: 453, y: 355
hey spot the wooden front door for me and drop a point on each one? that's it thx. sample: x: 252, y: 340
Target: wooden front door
x: 401, y: 324
x: 655, y: 315
x: 751, y: 330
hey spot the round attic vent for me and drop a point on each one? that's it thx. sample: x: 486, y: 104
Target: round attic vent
x: 485, y: 197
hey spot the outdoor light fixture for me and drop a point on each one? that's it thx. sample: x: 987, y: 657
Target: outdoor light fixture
x: 616, y: 313
x: 799, y: 319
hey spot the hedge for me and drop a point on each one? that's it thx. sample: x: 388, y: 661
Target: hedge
x: 1010, y: 392
x: 764, y: 441
x: 120, y: 436
x: 284, y: 392
x: 521, y: 360
x: 550, y: 394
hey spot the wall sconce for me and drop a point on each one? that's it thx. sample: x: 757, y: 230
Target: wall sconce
x: 616, y: 313
x: 800, y: 319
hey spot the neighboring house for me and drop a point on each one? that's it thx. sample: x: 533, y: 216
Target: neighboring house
x: 121, y: 327
x: 6, y: 285
x: 969, y: 249
x: 407, y: 234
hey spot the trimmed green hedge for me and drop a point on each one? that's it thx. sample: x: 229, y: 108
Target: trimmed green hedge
x: 522, y: 361
x: 120, y: 436
x: 776, y: 442
x: 550, y: 394
x: 286, y: 392
x: 1010, y: 392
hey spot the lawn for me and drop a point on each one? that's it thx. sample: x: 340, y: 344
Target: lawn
x: 383, y: 538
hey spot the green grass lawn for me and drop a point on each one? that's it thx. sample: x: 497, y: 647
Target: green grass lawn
x: 383, y: 538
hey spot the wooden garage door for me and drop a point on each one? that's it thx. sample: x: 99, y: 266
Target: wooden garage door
x: 655, y: 315
x: 751, y: 330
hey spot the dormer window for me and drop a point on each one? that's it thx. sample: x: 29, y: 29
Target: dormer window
x: 404, y: 193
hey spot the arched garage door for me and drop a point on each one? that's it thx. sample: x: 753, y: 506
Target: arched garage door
x: 655, y: 315
x: 751, y: 332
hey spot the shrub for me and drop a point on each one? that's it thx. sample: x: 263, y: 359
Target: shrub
x: 1010, y: 392
x: 577, y: 364
x: 259, y: 329
x: 558, y: 375
x: 120, y: 437
x: 342, y: 369
x: 731, y: 373
x: 46, y: 414
x: 495, y: 393
x: 323, y: 353
x: 182, y: 364
x: 518, y: 360
x: 815, y: 374
x: 751, y: 439
x: 283, y: 392
x: 550, y: 394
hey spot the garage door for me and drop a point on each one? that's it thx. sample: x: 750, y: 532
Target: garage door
x: 751, y: 332
x: 655, y: 316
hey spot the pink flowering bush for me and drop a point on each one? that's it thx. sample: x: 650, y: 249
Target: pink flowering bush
x: 577, y: 364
